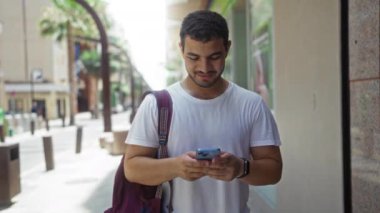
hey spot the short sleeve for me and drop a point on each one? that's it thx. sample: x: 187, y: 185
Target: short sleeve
x: 264, y: 130
x: 143, y: 130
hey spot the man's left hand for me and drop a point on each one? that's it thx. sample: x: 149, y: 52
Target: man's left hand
x: 225, y: 167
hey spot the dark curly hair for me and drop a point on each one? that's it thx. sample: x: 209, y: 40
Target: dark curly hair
x: 204, y: 25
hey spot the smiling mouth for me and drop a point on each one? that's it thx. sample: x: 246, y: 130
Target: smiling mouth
x: 206, y: 75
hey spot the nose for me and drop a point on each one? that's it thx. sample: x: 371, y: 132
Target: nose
x: 204, y: 66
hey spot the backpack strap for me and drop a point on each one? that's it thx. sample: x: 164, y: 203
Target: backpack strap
x: 165, y: 110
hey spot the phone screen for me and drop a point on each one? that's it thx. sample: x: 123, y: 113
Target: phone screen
x: 207, y: 153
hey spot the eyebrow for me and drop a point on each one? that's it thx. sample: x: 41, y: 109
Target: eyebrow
x: 192, y: 54
x: 211, y: 55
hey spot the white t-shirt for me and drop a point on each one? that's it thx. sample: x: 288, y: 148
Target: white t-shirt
x: 234, y: 121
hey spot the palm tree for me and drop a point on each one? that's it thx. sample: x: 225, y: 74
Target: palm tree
x: 65, y: 18
x: 91, y: 61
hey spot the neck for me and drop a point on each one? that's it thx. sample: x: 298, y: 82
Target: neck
x: 204, y: 92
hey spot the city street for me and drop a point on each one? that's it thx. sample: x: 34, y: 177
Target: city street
x: 79, y: 182
x: 292, y: 87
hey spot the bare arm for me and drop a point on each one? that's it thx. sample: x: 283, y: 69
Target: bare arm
x: 265, y: 166
x: 141, y: 166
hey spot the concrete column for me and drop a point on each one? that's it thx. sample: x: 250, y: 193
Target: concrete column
x: 308, y: 105
x: 240, y: 45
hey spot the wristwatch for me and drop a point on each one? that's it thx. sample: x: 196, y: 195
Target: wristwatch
x: 245, y: 168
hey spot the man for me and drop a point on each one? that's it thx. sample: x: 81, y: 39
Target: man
x: 208, y: 111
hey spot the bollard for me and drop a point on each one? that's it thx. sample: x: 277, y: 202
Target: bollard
x: 102, y: 139
x: 2, y: 138
x: 25, y: 122
x: 48, y: 151
x: 78, y: 147
x: 109, y: 143
x: 18, y: 124
x: 102, y: 142
x: 32, y: 125
x: 47, y: 124
x: 118, y: 146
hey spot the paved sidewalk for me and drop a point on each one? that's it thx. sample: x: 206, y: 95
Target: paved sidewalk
x: 79, y: 183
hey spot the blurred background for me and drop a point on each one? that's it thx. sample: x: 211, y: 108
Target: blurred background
x: 72, y: 73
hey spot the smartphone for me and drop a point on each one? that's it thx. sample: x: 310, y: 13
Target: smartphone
x: 207, y: 154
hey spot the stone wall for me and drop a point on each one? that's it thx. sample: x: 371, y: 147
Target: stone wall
x: 364, y: 56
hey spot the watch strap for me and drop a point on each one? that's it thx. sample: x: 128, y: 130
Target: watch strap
x: 245, y: 168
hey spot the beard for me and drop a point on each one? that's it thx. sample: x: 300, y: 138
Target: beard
x: 206, y: 84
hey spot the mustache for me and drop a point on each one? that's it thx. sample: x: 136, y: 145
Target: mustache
x: 206, y: 73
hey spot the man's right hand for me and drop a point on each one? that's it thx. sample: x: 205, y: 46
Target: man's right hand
x: 190, y: 168
x: 141, y: 166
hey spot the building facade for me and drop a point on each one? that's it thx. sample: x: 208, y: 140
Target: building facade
x: 34, y: 68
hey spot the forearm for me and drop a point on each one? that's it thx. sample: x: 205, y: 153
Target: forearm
x: 263, y: 172
x: 149, y: 171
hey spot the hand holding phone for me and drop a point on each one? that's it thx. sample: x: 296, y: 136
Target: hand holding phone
x: 207, y: 153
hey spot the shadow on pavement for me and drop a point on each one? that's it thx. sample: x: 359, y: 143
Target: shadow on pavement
x: 5, y: 206
x: 101, y: 199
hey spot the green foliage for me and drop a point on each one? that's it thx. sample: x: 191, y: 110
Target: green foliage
x: 55, y: 18
x: 174, y: 64
x: 117, y: 63
x: 171, y: 80
x: 92, y: 61
x: 54, y: 24
x: 262, y: 13
x: 222, y: 6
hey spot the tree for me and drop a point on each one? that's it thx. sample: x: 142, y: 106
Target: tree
x: 118, y: 64
x: 55, y: 18
x: 64, y: 19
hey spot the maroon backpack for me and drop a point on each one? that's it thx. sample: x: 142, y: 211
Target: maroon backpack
x: 131, y: 197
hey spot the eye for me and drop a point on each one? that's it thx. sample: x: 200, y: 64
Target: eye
x: 192, y: 57
x: 215, y: 57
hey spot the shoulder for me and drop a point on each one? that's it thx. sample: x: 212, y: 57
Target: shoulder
x: 174, y: 89
x: 244, y: 96
x: 148, y: 103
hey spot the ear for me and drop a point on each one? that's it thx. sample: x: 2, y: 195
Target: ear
x: 181, y: 47
x: 228, y: 45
